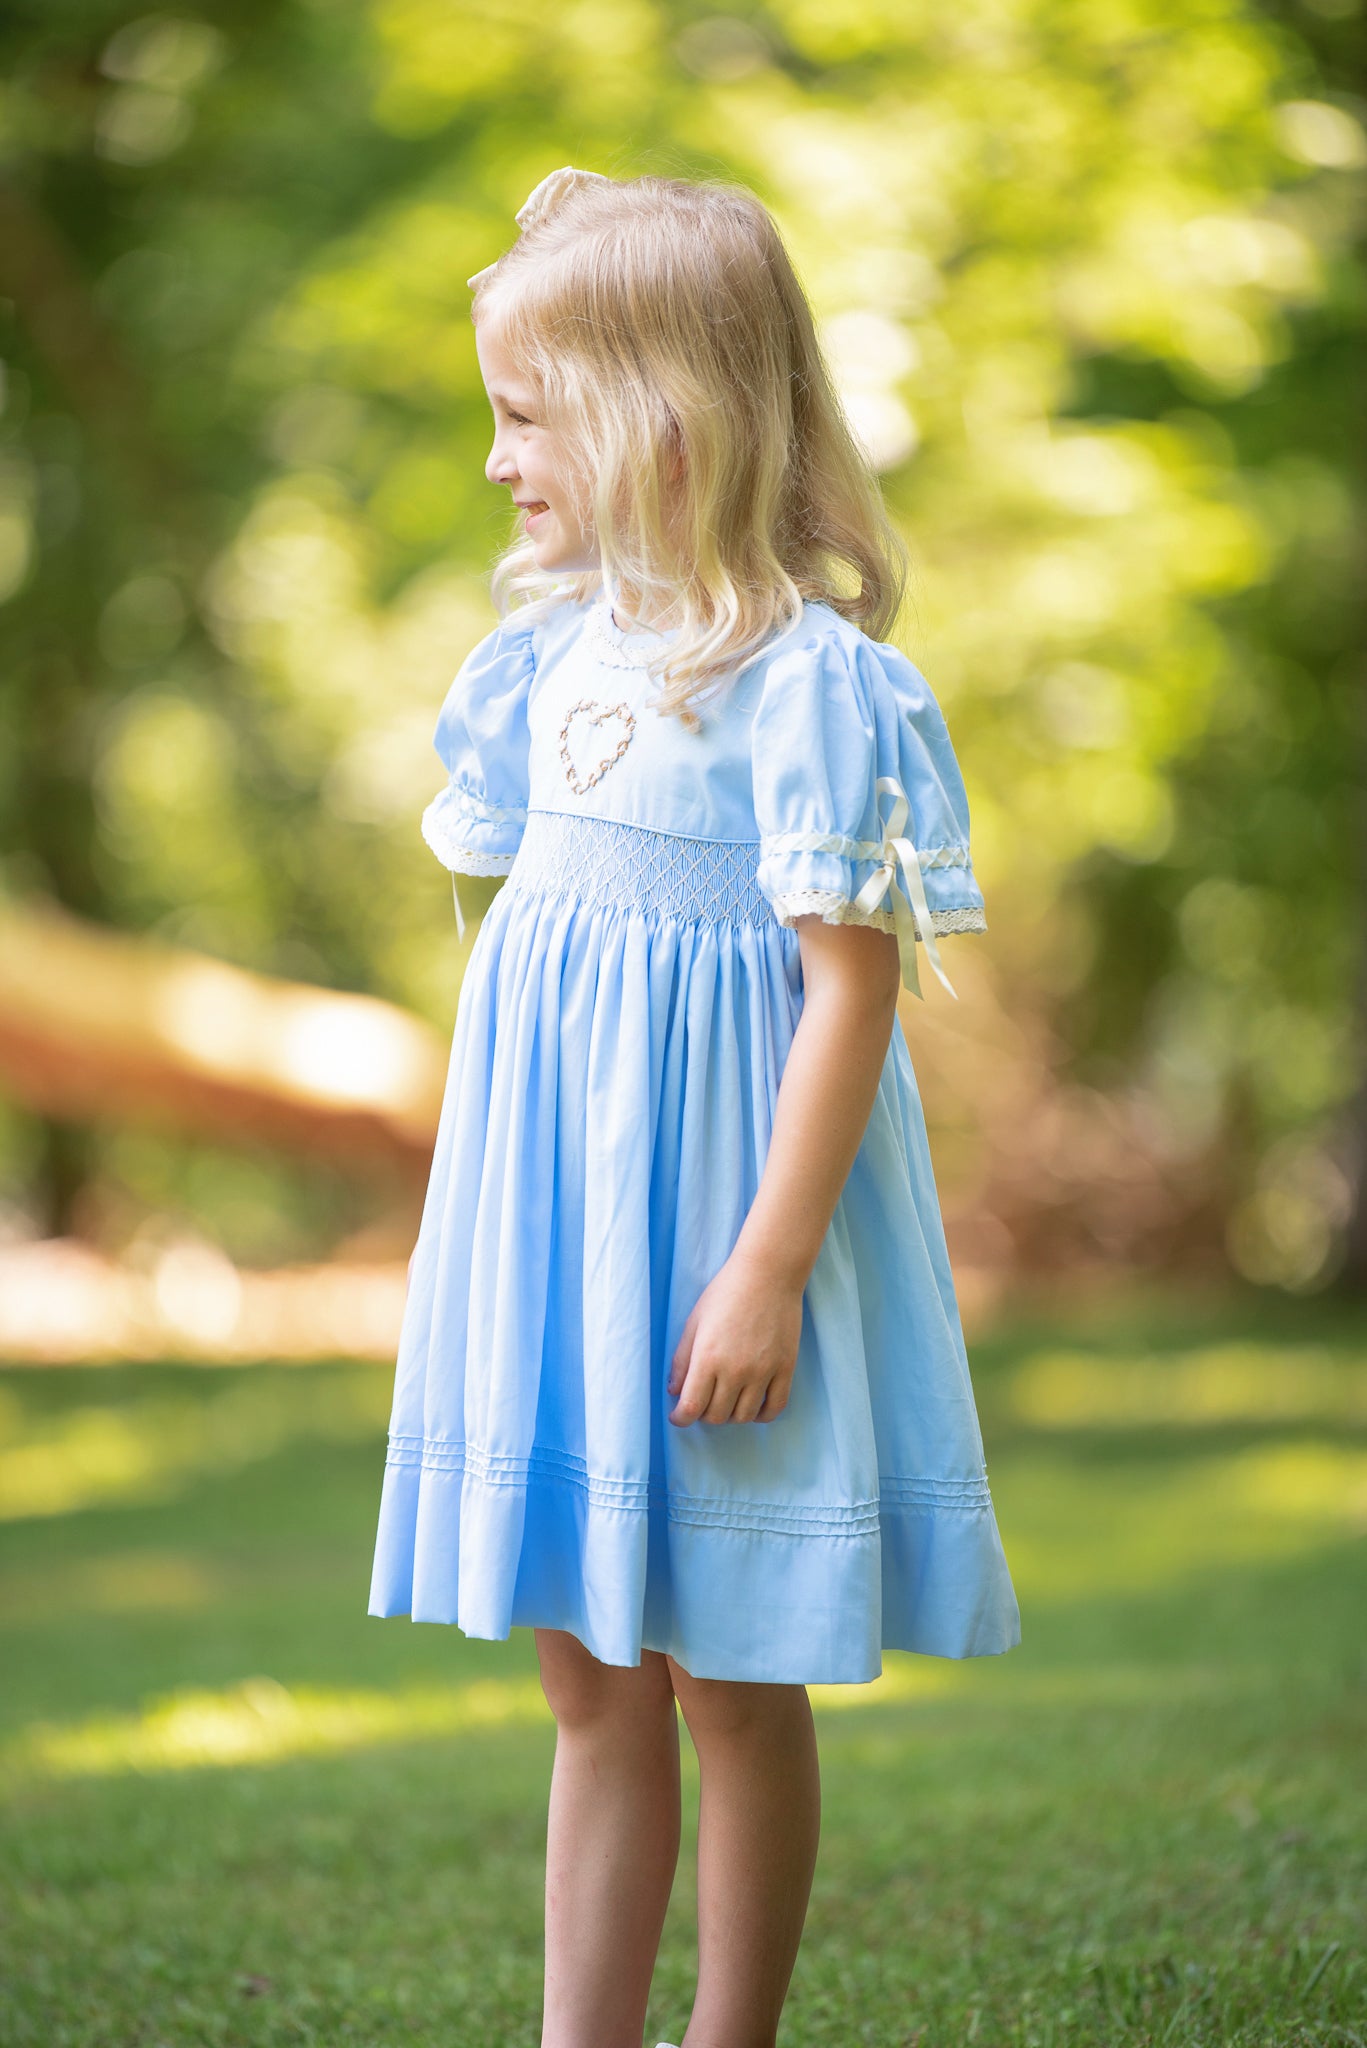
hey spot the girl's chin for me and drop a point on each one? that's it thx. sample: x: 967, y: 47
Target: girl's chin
x: 550, y: 556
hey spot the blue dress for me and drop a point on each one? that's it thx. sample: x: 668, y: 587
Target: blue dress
x: 625, y: 1015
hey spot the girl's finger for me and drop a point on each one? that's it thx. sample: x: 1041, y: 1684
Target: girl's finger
x: 771, y: 1405
x: 722, y: 1404
x: 749, y: 1403
x: 683, y: 1352
x: 693, y: 1399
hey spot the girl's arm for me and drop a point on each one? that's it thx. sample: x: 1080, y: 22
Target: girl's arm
x: 738, y: 1350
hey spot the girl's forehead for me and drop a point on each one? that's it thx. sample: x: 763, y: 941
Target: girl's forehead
x: 503, y: 374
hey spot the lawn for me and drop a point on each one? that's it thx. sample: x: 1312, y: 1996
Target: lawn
x: 238, y: 1809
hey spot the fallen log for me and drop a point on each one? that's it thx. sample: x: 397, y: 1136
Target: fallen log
x: 100, y: 1025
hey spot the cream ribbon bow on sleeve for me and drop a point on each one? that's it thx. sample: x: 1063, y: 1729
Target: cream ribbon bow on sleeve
x: 542, y: 201
x: 896, y: 850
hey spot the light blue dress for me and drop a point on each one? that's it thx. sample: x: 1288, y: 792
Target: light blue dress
x: 626, y: 1012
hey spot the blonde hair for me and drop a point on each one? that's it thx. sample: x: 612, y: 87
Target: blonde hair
x: 676, y: 359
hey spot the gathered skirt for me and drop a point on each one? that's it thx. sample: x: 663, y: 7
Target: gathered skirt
x: 626, y: 1013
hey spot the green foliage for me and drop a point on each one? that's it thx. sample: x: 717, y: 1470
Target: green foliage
x: 1091, y: 279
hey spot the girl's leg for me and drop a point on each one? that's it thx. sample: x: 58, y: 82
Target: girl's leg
x: 612, y: 1840
x: 759, y: 1818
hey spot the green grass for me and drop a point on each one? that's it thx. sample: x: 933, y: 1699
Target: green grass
x: 238, y: 1809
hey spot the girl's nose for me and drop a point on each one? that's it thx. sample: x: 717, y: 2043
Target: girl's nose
x: 498, y: 468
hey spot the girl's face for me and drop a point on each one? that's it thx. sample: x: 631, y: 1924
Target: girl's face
x: 526, y: 458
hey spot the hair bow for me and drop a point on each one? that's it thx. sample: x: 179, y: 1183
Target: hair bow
x: 542, y: 201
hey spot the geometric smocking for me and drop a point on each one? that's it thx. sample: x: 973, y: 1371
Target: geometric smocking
x: 602, y: 861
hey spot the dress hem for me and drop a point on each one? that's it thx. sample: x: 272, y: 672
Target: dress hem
x: 669, y: 1648
x: 761, y: 1604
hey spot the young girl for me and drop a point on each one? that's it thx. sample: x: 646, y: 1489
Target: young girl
x: 681, y: 1382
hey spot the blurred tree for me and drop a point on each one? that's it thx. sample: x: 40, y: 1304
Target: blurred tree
x: 1090, y: 276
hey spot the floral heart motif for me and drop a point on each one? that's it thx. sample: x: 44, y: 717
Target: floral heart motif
x: 597, y: 715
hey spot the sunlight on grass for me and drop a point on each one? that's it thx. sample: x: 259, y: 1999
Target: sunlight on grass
x: 149, y: 1449
x: 903, y: 1677
x: 261, y: 1721
x: 1166, y: 1523
x: 1220, y: 1384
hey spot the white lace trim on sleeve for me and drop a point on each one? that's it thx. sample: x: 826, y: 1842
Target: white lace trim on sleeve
x: 833, y: 908
x: 442, y: 834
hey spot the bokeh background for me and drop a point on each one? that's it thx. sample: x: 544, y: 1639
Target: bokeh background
x: 1091, y: 277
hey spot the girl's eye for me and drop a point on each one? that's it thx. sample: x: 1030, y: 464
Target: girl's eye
x: 519, y: 419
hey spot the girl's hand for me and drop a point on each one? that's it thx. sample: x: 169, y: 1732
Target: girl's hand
x: 735, y: 1359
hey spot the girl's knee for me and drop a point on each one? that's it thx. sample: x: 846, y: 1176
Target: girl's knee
x: 583, y: 1692
x: 732, y: 1707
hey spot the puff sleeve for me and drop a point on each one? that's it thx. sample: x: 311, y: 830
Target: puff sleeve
x: 859, y: 800
x: 475, y: 824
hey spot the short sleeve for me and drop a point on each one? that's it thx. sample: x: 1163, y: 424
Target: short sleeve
x: 859, y: 800
x: 475, y: 824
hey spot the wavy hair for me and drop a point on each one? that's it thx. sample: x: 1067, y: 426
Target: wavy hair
x: 677, y: 362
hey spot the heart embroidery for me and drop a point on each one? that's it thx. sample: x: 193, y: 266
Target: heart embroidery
x: 597, y: 714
